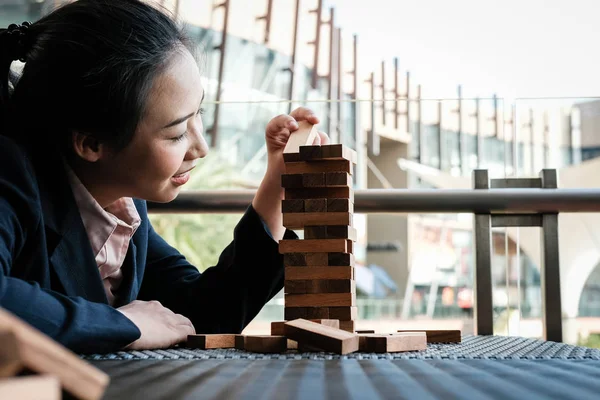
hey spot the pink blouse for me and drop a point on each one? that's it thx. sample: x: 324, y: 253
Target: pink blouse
x: 109, y: 231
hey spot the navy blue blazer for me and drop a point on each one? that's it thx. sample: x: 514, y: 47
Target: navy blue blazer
x: 49, y: 277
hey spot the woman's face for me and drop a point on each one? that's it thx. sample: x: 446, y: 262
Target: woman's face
x: 168, y: 141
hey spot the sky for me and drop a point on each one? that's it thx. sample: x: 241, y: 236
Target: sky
x: 515, y: 48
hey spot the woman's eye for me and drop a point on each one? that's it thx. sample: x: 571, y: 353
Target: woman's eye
x: 180, y: 137
x: 200, y: 111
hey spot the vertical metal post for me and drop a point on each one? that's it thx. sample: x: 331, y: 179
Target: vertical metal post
x: 214, y: 130
x: 550, y: 268
x: 292, y: 68
x: 373, y: 137
x: 408, y: 102
x: 441, y: 144
x: 532, y: 135
x: 419, y: 131
x: 545, y: 137
x: 484, y: 306
x: 478, y: 138
x: 340, y: 79
x: 495, y: 116
x: 458, y: 110
x: 395, y: 91
x: 330, y: 91
x: 316, y: 43
x: 267, y: 19
x: 383, y: 105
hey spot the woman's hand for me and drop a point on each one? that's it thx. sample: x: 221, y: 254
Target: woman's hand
x: 267, y: 201
x: 279, y: 130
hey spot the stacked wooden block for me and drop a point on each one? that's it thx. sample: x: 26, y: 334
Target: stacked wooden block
x: 319, y: 199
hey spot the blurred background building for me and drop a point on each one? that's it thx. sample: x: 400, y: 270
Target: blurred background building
x: 266, y: 57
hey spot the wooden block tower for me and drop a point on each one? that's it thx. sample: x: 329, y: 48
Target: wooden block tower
x: 319, y: 198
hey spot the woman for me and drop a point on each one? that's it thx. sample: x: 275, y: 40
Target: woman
x: 106, y: 115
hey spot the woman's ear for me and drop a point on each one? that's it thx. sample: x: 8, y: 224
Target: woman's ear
x: 88, y: 147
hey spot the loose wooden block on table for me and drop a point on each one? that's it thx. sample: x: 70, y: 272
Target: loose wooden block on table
x: 336, y: 192
x: 374, y: 343
x: 278, y: 329
x: 240, y: 342
x: 347, y: 326
x: 24, y: 348
x: 320, y: 300
x: 439, y: 336
x: 303, y: 167
x: 300, y: 220
x: 265, y: 344
x: 42, y: 387
x: 212, y: 341
x: 315, y: 272
x: 323, y: 337
x: 330, y: 232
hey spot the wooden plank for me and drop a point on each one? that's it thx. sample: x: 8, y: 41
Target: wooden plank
x: 320, y: 300
x: 313, y: 180
x: 42, y: 387
x: 316, y: 259
x: 340, y: 259
x: 42, y: 355
x: 319, y: 272
x: 339, y: 205
x: 294, y: 259
x: 320, y: 286
x: 323, y: 337
x: 331, y: 232
x: 300, y: 220
x: 308, y: 313
x: 292, y: 206
x: 310, y: 152
x: 291, y: 181
x: 320, y: 193
x: 338, y: 179
x: 438, y: 335
x: 315, y: 205
x: 291, y: 157
x: 380, y: 343
x: 277, y: 327
x: 265, y: 344
x: 304, y: 167
x: 327, y: 152
x: 211, y: 341
x: 347, y: 326
x: 304, y: 135
x: 343, y: 313
x: 313, y: 246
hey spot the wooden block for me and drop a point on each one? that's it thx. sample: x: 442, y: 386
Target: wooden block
x: 240, y: 342
x: 350, y: 247
x: 320, y: 286
x: 347, y: 326
x: 292, y: 345
x: 439, y: 336
x: 304, y: 167
x: 310, y: 152
x: 316, y: 259
x: 42, y: 387
x: 320, y: 300
x: 343, y: 313
x: 316, y: 272
x: 291, y: 157
x: 308, y: 313
x: 338, y: 179
x: 340, y: 259
x: 265, y: 344
x: 375, y: 343
x: 337, y: 152
x: 364, y: 331
x: 291, y: 181
x: 211, y: 341
x: 314, y: 246
x: 292, y: 206
x: 277, y: 327
x: 300, y: 220
x: 313, y: 180
x: 330, y: 232
x: 320, y: 193
x: 294, y: 259
x: 304, y: 135
x: 38, y: 353
x: 315, y: 205
x: 339, y: 205
x: 320, y: 336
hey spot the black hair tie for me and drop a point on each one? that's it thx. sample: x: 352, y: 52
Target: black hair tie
x: 15, y: 40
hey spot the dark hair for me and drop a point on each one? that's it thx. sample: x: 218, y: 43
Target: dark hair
x: 89, y: 66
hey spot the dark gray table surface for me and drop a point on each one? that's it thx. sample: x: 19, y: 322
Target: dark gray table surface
x: 480, y: 367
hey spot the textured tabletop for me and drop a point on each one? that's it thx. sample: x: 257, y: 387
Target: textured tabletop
x: 478, y: 368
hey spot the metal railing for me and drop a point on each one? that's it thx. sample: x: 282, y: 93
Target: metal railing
x: 494, y: 203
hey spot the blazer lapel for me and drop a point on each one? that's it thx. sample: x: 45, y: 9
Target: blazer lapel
x: 71, y: 256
